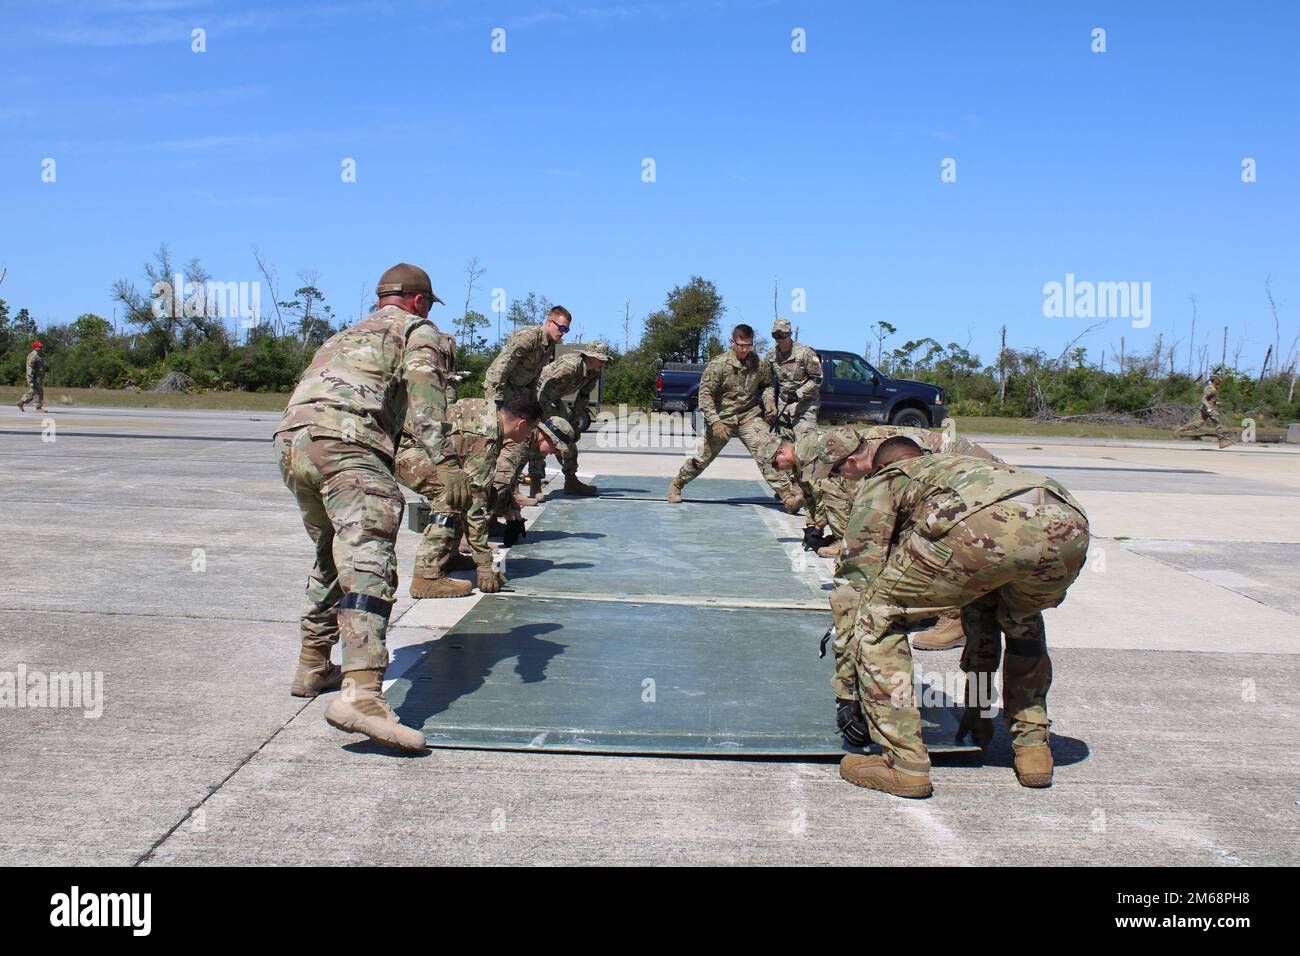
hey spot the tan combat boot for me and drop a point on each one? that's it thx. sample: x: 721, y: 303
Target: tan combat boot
x: 572, y: 486
x: 675, y: 492
x: 22, y: 406
x: 428, y: 584
x: 316, y: 675
x: 948, y: 633
x: 793, y: 500
x: 874, y: 773
x: 535, y: 486
x: 831, y: 550
x: 1034, y: 765
x: 361, y: 709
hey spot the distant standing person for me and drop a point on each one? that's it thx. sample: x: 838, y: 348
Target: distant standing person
x: 35, y: 379
x: 730, y: 390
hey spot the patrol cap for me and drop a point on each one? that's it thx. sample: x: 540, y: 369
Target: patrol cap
x: 769, y: 446
x: 836, y: 445
x: 596, y: 350
x: 406, y: 279
x: 781, y: 325
x: 560, y: 432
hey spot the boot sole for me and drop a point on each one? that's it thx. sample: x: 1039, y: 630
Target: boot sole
x: 918, y: 646
x: 908, y: 793
x: 1034, y: 781
x: 348, y: 728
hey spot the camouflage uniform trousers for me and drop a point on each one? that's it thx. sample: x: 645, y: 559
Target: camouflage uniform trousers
x: 352, y: 507
x: 438, y: 542
x: 35, y: 392
x: 753, y: 432
x: 510, y: 465
x: 1002, y: 565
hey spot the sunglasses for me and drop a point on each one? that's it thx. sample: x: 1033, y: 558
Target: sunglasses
x: 561, y: 328
x: 780, y: 335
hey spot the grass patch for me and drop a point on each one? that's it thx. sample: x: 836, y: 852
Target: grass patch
x: 121, y: 398
x: 1030, y: 426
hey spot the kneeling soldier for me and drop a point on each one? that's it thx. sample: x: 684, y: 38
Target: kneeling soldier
x: 934, y: 532
x: 479, y: 429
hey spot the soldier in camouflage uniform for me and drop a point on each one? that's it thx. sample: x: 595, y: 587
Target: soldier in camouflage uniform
x: 35, y: 379
x: 1208, y: 416
x: 478, y: 430
x: 792, y: 389
x: 576, y: 371
x: 730, y: 390
x: 517, y: 368
x: 930, y: 532
x: 832, y: 494
x: 365, y: 386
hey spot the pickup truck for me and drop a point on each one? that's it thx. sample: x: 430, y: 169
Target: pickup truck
x: 853, y: 390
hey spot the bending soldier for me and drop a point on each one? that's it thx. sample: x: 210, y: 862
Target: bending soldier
x: 577, y: 371
x: 364, y: 387
x: 931, y: 532
x: 517, y: 369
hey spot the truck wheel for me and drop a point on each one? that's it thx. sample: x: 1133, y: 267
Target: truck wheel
x: 910, y: 418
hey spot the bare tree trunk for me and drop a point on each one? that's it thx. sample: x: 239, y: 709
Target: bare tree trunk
x: 1002, y: 367
x: 1191, y: 343
x: 1277, y: 329
x: 1223, y: 359
x: 627, y: 323
x: 1264, y: 370
x: 1121, y: 355
x: 275, y: 291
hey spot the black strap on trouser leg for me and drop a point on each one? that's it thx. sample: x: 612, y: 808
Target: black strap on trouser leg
x: 364, y: 602
x: 1026, y: 646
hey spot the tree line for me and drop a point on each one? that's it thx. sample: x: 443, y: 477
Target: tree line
x: 267, y: 350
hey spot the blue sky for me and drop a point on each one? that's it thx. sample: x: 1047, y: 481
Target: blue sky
x: 821, y: 169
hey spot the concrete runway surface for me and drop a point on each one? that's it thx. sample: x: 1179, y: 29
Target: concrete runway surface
x: 160, y: 550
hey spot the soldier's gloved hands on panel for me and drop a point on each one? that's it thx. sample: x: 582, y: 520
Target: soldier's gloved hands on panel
x: 515, y: 529
x: 720, y: 431
x: 489, y: 580
x: 980, y: 728
x: 812, y: 538
x: 851, y: 723
x: 455, y: 487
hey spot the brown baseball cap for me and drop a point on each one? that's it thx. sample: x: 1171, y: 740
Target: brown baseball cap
x: 406, y: 279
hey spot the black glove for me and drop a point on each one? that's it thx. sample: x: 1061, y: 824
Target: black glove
x: 851, y: 723
x: 812, y: 538
x: 515, y: 529
x: 979, y: 728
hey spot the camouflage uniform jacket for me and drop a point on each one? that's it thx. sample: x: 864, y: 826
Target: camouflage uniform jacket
x: 369, y: 383
x: 729, y: 388
x: 519, y: 365
x: 928, y: 495
x: 1209, y: 398
x: 471, y: 419
x: 564, y: 375
x: 35, y: 367
x: 798, y: 375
